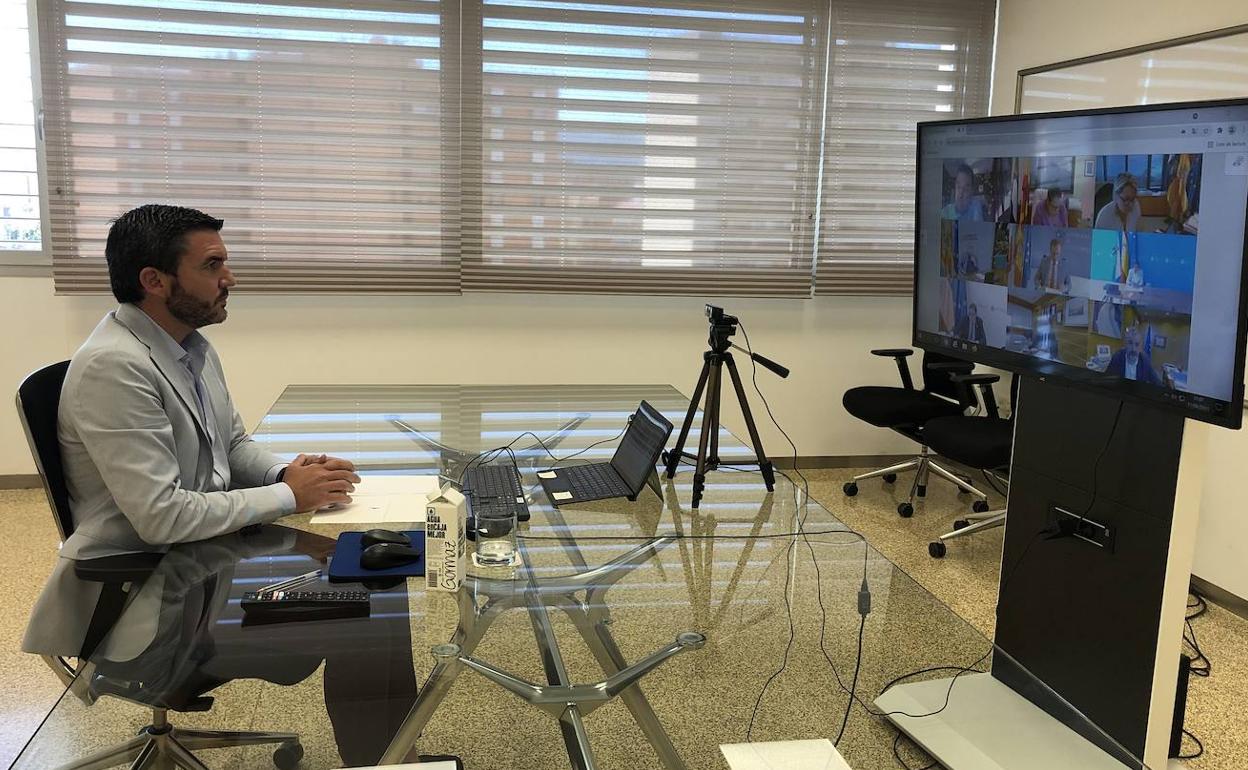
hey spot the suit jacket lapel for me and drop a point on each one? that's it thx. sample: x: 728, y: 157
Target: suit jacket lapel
x: 146, y: 331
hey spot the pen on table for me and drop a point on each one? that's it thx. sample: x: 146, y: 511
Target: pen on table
x: 292, y: 582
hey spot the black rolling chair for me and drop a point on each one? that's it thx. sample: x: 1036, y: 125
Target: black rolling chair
x: 979, y: 442
x: 38, y: 400
x: 906, y: 410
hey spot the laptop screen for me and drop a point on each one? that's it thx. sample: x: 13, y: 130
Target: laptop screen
x: 644, y: 439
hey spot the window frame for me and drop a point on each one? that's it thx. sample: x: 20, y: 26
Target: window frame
x: 34, y: 262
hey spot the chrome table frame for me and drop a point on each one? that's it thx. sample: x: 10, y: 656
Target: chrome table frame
x: 559, y: 697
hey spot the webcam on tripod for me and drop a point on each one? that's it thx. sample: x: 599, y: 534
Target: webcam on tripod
x: 724, y: 326
x: 710, y: 380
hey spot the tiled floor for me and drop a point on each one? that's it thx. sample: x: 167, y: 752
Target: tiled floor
x: 965, y: 580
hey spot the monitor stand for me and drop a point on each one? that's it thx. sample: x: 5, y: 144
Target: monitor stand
x: 1089, y: 622
x: 988, y: 726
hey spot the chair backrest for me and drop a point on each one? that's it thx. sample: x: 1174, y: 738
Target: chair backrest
x: 940, y: 382
x: 38, y: 399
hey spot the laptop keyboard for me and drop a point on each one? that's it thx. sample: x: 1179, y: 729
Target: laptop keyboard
x: 495, y: 489
x: 596, y: 481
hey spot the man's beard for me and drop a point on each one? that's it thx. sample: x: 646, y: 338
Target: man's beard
x: 193, y: 312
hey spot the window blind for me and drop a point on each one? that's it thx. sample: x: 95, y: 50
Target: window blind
x: 658, y: 147
x: 893, y: 63
x: 19, y: 178
x: 314, y: 129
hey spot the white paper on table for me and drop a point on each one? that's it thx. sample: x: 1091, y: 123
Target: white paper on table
x: 791, y: 755
x: 382, y: 500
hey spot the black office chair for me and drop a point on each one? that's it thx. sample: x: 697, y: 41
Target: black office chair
x: 978, y: 442
x: 38, y: 401
x: 906, y: 410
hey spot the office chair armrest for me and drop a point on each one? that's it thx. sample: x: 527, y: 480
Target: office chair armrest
x: 980, y: 378
x: 899, y: 355
x: 122, y: 568
x: 984, y: 381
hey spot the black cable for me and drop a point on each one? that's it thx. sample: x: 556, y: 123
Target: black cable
x: 496, y: 451
x: 788, y: 581
x: 1201, y: 605
x: 801, y: 524
x: 851, y: 691
x: 1200, y: 665
x: 1200, y: 747
x: 864, y: 593
x: 862, y: 624
x: 784, y: 662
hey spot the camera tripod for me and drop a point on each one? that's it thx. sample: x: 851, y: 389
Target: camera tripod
x: 713, y: 361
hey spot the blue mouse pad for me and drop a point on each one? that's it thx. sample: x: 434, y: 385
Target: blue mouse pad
x: 345, y: 564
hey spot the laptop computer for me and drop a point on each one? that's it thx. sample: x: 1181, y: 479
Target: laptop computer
x: 630, y: 469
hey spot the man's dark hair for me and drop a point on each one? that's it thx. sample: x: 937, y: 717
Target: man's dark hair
x: 153, y: 235
x: 965, y: 169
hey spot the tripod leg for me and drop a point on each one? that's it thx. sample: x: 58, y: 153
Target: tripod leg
x: 764, y: 465
x: 673, y: 457
x: 712, y: 457
x: 708, y: 426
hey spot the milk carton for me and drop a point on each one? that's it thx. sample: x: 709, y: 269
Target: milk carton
x: 445, y: 516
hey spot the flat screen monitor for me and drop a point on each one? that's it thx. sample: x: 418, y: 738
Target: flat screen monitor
x: 1101, y: 247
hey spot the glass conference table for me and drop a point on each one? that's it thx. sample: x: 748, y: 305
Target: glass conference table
x: 634, y: 635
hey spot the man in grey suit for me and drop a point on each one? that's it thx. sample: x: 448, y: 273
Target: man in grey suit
x: 154, y: 451
x: 155, y: 456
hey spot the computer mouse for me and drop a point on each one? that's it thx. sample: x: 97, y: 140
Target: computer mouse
x: 375, y: 536
x: 387, y: 555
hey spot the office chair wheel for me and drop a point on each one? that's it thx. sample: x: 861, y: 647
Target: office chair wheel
x: 889, y: 478
x: 979, y: 506
x: 905, y: 510
x: 850, y: 489
x: 960, y: 524
x: 936, y: 549
x: 287, y: 756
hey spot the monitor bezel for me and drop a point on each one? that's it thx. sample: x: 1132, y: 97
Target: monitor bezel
x: 1230, y: 417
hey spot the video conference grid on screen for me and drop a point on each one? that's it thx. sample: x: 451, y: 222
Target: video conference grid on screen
x: 1112, y: 243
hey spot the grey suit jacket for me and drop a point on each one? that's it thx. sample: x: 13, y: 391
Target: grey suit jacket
x: 137, y: 455
x: 137, y: 458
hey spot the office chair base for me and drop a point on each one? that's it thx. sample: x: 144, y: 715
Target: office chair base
x: 976, y: 522
x: 161, y: 741
x: 923, y: 466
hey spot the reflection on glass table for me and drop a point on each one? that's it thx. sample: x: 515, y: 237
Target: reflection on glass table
x: 633, y: 634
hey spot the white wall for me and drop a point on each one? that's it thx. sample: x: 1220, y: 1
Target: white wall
x: 1031, y: 34
x: 269, y: 342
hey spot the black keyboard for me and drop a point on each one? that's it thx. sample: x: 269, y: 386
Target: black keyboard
x: 594, y: 482
x: 282, y: 606
x: 494, y: 491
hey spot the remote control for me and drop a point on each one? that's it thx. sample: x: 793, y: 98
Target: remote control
x: 281, y: 606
